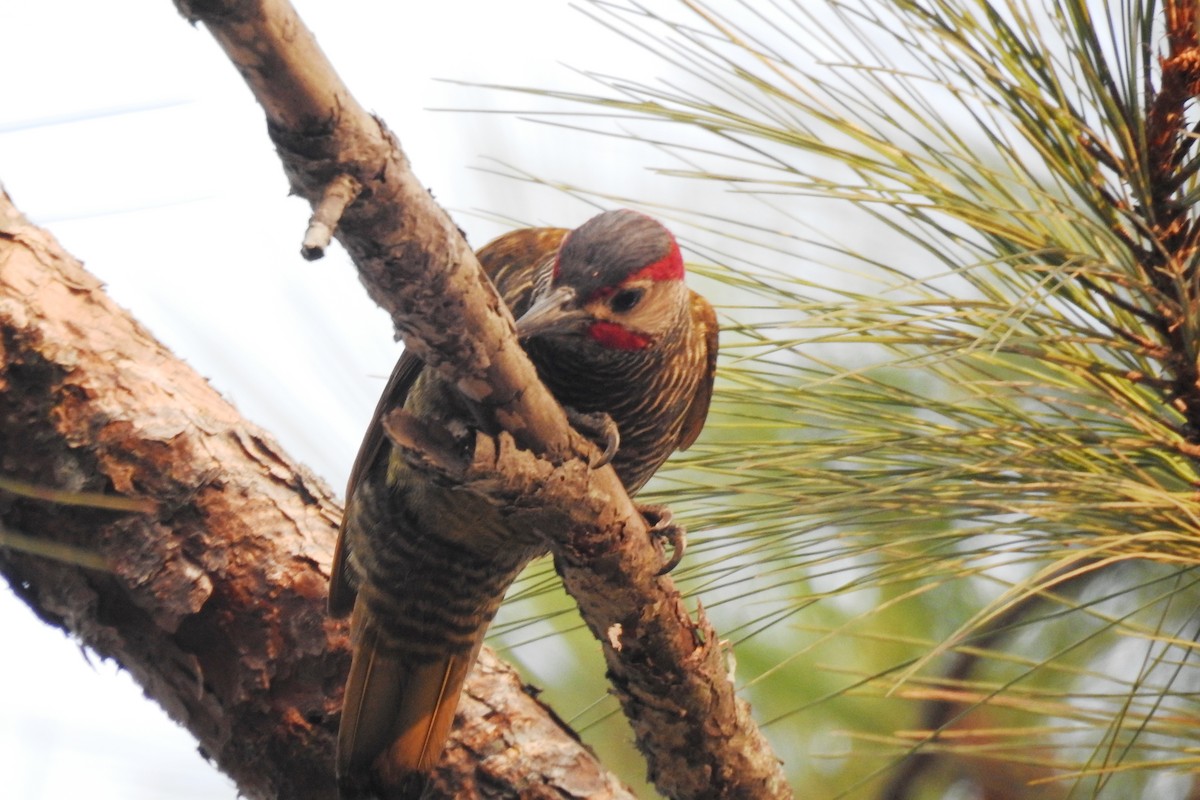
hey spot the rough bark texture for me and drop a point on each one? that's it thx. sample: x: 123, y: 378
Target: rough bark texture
x: 663, y: 666
x: 227, y: 630
x: 214, y: 601
x: 415, y: 264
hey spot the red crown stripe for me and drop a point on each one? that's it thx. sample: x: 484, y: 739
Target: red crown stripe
x: 667, y: 268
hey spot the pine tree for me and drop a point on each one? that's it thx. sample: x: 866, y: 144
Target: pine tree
x: 945, y: 511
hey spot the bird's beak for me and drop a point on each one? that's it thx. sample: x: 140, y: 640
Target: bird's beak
x: 555, y: 312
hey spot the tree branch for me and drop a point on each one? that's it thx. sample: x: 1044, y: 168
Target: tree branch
x: 416, y: 264
x: 213, y: 597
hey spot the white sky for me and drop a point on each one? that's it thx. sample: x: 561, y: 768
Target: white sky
x: 128, y: 134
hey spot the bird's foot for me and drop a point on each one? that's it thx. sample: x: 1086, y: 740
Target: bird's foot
x: 659, y: 518
x: 600, y: 429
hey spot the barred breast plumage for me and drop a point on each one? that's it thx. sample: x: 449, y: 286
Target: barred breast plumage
x: 604, y: 315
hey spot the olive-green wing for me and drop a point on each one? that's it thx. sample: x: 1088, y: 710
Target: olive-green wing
x: 404, y: 374
x: 517, y: 261
x: 693, y: 421
x: 511, y: 261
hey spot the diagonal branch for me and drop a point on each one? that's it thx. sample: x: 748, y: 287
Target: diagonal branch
x: 666, y: 669
x: 213, y: 595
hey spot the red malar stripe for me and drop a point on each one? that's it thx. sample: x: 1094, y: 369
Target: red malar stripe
x: 610, y: 334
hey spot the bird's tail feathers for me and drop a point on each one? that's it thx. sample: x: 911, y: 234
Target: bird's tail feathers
x: 425, y: 717
x: 396, y: 708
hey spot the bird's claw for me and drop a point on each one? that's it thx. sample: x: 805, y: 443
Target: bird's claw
x: 600, y: 429
x: 659, y: 518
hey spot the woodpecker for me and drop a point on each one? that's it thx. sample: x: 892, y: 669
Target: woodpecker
x: 628, y: 350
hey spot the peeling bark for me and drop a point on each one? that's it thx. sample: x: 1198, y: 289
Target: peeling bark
x: 698, y: 738
x: 215, y: 600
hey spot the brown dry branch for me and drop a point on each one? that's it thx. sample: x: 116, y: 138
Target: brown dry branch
x: 666, y: 670
x: 213, y: 596
x: 1169, y: 256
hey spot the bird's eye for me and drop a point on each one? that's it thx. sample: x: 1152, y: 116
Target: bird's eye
x: 625, y: 300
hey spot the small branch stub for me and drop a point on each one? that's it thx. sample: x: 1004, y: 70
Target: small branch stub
x: 339, y: 193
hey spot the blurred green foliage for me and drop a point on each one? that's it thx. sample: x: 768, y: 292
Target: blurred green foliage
x: 951, y: 458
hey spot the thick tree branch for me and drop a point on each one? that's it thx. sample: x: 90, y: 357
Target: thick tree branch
x: 215, y: 599
x: 666, y: 668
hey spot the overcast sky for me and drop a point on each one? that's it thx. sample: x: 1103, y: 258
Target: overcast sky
x: 127, y: 133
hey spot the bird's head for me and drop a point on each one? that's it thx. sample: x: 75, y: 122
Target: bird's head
x: 617, y: 281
